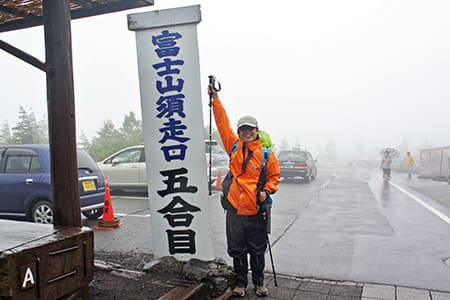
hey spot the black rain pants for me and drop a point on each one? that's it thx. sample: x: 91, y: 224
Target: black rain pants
x: 246, y: 235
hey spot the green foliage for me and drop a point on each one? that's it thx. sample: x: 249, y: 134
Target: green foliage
x: 132, y: 130
x: 109, y: 139
x: 5, y: 134
x: 28, y: 130
x: 83, y: 142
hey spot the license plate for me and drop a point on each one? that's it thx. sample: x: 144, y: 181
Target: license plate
x: 88, y: 185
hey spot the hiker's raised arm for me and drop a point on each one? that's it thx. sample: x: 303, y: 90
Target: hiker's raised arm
x: 226, y: 133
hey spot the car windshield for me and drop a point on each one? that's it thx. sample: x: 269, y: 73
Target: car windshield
x: 292, y: 155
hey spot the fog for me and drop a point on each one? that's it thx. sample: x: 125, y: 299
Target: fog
x: 359, y: 74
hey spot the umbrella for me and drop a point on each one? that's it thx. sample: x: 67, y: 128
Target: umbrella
x: 392, y: 152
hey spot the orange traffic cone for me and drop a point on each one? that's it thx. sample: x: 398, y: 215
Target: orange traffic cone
x: 219, y: 180
x: 108, y: 220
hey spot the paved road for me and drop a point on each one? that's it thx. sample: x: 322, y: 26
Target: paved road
x: 358, y: 228
x: 348, y: 225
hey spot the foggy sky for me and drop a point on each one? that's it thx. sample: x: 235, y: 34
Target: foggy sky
x: 370, y: 73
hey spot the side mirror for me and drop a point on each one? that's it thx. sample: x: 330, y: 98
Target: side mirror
x: 115, y: 161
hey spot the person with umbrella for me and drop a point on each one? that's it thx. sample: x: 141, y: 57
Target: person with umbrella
x: 386, y: 162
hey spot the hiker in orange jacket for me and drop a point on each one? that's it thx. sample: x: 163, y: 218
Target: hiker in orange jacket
x: 246, y: 232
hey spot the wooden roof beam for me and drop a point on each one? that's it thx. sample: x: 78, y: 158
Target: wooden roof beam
x: 24, y: 56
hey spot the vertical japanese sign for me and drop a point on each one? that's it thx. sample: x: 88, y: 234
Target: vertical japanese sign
x: 169, y: 77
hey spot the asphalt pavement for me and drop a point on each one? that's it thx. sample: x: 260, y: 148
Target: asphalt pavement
x: 290, y: 287
x: 295, y: 286
x: 307, y: 288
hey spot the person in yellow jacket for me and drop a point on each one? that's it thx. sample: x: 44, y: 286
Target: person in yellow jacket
x: 245, y: 229
x: 409, y: 161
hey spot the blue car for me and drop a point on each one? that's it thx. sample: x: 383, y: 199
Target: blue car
x: 25, y: 184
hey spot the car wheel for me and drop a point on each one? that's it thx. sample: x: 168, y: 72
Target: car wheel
x: 93, y: 214
x: 42, y: 212
x: 308, y: 176
x: 314, y: 176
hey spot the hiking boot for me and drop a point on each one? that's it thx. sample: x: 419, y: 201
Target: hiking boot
x: 261, y: 291
x: 239, y: 291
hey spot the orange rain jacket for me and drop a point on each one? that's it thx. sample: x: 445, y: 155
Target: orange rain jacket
x: 242, y: 193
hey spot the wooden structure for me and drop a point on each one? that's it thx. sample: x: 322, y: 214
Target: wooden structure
x: 38, y: 261
x: 56, y: 16
x: 62, y: 254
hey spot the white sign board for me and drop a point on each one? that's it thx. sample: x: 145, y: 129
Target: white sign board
x: 169, y: 77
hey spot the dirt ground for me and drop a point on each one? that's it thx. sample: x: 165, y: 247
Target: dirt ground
x: 150, y: 285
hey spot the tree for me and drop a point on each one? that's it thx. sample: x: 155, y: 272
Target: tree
x: 28, y: 130
x: 5, y: 134
x: 132, y: 130
x: 41, y: 132
x: 83, y: 142
x: 107, y: 141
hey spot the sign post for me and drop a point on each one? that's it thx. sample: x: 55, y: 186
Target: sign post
x: 169, y: 78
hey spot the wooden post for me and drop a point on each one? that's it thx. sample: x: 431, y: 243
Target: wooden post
x: 61, y: 113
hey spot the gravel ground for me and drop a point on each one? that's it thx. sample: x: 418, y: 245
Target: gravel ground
x: 116, y: 285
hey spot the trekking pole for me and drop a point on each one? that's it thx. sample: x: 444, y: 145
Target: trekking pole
x: 271, y: 260
x: 265, y: 217
x: 212, y: 82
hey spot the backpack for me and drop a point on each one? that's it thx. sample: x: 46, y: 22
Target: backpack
x: 226, y: 183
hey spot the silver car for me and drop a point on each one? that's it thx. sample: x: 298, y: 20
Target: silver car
x: 126, y: 171
x: 219, y: 161
x: 297, y: 164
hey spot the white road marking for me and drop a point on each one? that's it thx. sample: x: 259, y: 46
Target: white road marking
x: 131, y: 197
x: 127, y: 215
x: 427, y: 206
x: 325, y: 184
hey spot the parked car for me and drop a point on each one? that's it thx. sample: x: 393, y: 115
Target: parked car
x: 126, y: 168
x: 25, y: 184
x: 297, y: 163
x: 219, y: 161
